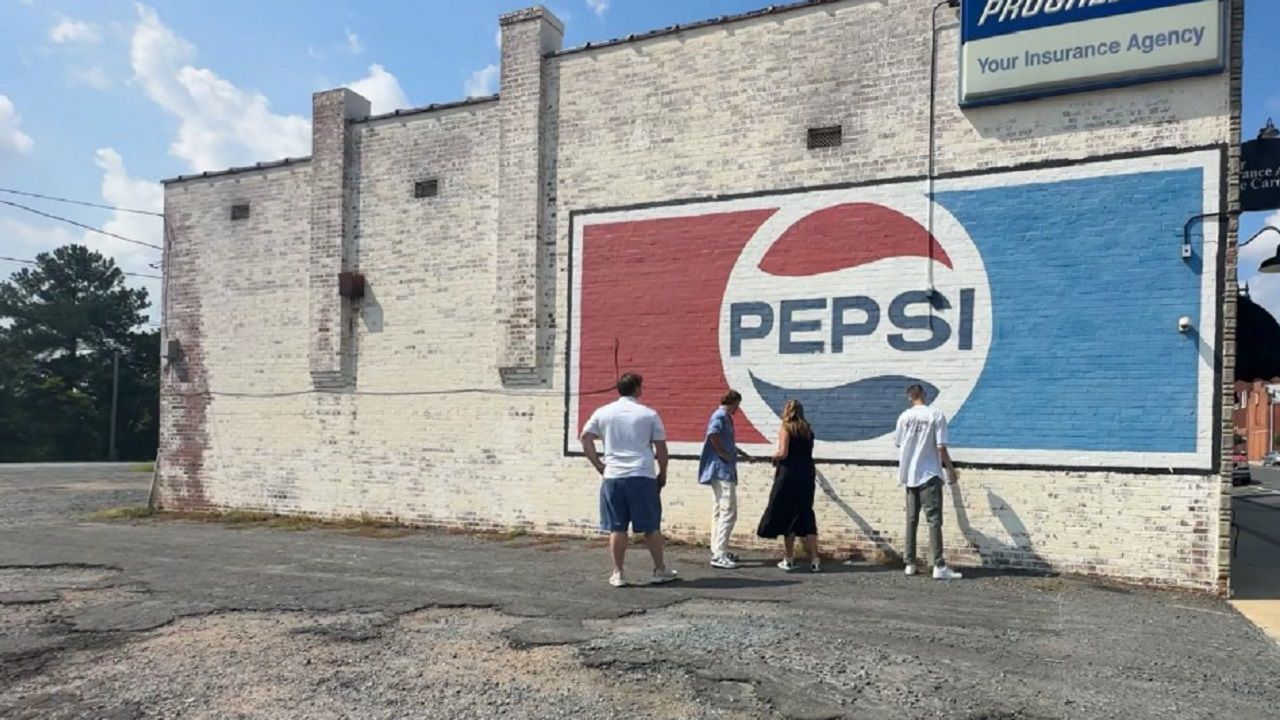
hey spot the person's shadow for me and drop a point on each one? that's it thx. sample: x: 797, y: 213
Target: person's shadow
x: 886, y: 550
x: 1018, y: 553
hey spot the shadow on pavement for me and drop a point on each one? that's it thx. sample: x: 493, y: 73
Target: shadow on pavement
x: 1255, y: 572
x: 727, y: 583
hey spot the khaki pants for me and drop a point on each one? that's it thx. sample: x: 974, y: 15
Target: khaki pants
x: 928, y: 497
x: 723, y: 515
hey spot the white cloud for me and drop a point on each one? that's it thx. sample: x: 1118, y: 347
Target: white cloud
x: 26, y: 239
x: 482, y: 82
x: 599, y: 7
x: 74, y: 31
x: 220, y: 124
x: 121, y: 189
x: 354, y: 46
x: 12, y: 138
x: 381, y: 89
x: 497, y: 38
x: 94, y: 77
x: 1273, y: 105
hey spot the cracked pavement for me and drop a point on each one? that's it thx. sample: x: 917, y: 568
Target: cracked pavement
x: 160, y: 618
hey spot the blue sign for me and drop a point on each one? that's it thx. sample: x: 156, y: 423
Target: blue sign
x: 1015, y: 49
x: 988, y: 18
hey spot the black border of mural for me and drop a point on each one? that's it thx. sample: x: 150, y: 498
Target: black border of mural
x: 1219, y: 281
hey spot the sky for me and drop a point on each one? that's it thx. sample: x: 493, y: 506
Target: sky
x: 100, y: 99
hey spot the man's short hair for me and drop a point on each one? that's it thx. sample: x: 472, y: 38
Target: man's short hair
x: 915, y: 391
x: 629, y: 384
x: 733, y: 397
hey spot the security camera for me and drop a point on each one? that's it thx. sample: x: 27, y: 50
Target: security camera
x: 1184, y: 324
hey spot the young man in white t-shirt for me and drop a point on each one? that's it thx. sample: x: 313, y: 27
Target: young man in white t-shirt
x: 921, y: 438
x: 633, y: 438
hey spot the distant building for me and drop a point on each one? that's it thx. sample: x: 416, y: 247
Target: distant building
x: 1257, y: 387
x: 416, y: 320
x: 1257, y: 416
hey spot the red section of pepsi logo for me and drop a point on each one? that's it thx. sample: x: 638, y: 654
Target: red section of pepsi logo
x: 848, y: 235
x: 654, y: 287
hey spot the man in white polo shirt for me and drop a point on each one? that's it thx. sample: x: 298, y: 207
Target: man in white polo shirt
x: 633, y: 438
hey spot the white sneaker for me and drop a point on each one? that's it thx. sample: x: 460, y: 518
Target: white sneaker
x: 787, y: 565
x: 910, y: 569
x: 617, y: 580
x: 815, y: 566
x: 724, y: 562
x: 945, y: 573
x: 733, y: 556
x: 664, y: 575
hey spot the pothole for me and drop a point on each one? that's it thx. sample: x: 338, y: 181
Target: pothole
x: 53, y: 577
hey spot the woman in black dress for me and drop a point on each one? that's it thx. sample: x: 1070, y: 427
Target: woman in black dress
x: 790, y: 511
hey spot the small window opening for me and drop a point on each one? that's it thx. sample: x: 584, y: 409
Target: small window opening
x: 240, y: 212
x: 825, y: 137
x: 426, y: 188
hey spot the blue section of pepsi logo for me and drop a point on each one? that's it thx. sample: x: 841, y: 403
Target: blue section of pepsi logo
x: 1086, y: 289
x: 859, y: 410
x: 990, y: 18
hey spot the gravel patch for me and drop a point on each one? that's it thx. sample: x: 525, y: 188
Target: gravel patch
x: 452, y: 663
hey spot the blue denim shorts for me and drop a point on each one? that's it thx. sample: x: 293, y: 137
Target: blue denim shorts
x: 630, y: 501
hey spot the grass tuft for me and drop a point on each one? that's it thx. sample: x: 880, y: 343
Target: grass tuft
x: 242, y: 517
x: 143, y: 467
x: 127, y: 512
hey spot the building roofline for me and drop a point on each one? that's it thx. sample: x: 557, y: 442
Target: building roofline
x: 368, y: 118
x: 237, y: 170
x: 673, y: 29
x: 428, y: 108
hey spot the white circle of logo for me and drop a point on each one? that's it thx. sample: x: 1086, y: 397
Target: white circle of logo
x: 841, y: 300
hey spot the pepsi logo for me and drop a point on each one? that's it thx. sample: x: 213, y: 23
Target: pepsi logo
x: 842, y: 299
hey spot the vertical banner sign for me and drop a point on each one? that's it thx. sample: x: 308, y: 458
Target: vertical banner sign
x: 1019, y: 49
x: 1260, y: 175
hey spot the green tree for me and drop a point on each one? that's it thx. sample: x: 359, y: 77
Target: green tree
x: 61, y: 323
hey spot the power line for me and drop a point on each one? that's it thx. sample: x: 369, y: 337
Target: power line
x: 81, y: 225
x: 33, y: 262
x: 79, y: 202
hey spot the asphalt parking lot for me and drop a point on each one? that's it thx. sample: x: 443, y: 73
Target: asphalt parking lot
x: 163, y: 618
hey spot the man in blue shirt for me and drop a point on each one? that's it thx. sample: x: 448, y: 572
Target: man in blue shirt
x: 718, y: 467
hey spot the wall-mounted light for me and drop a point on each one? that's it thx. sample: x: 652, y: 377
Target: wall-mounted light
x: 1270, y: 266
x: 351, y: 285
x: 1184, y: 324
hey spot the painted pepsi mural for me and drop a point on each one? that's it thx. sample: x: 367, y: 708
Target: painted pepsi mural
x: 1039, y: 308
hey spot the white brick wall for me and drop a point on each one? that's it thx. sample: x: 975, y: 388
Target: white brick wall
x: 717, y: 110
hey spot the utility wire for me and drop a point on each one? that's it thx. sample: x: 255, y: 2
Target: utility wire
x: 80, y: 225
x: 79, y: 202
x: 122, y: 272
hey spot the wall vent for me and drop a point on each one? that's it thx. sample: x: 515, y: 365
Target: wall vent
x: 426, y: 188
x: 826, y: 137
x: 240, y: 212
